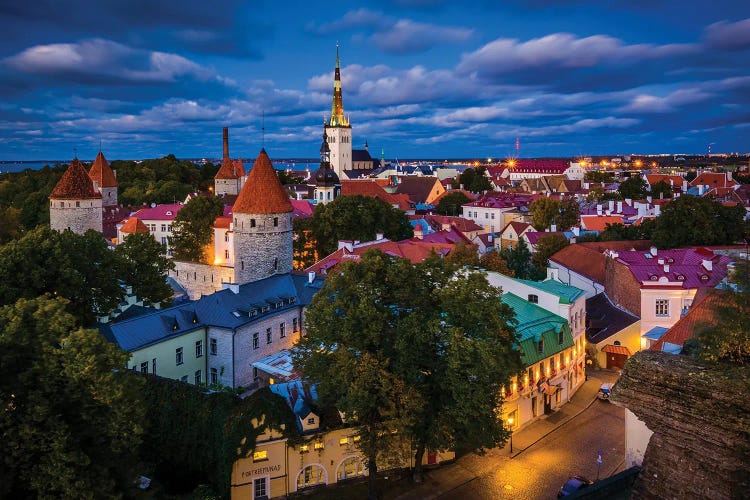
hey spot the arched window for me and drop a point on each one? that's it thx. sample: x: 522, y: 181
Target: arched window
x: 349, y: 468
x: 312, y: 475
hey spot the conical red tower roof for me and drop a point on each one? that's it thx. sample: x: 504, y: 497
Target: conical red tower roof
x: 101, y: 173
x: 75, y: 184
x: 134, y: 225
x: 262, y: 192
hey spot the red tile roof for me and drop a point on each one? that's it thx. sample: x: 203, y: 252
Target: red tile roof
x: 302, y: 209
x: 134, y: 225
x: 222, y: 222
x: 616, y: 349
x: 367, y: 187
x: 550, y: 166
x: 518, y: 227
x: 230, y: 169
x: 587, y: 259
x: 599, y: 222
x: 75, y: 184
x: 713, y: 179
x: 101, y: 173
x: 700, y: 315
x: 263, y: 192
x: 654, y: 178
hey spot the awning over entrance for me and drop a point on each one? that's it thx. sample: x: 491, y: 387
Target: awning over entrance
x: 616, y: 349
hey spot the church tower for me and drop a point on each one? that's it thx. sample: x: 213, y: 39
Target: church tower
x: 262, y: 225
x: 338, y: 130
x: 75, y: 203
x: 327, y: 184
x: 105, y: 180
x: 228, y: 180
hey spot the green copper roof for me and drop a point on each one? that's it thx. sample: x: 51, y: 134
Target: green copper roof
x: 568, y: 294
x: 534, y: 324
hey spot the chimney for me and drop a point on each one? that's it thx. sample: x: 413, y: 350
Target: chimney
x: 654, y: 251
x: 346, y: 244
x: 707, y: 265
x: 666, y: 268
x: 611, y: 205
x: 576, y: 230
x: 553, y: 273
x: 660, y: 261
x: 649, y: 199
x: 311, y: 277
x: 629, y: 201
x: 378, y: 236
x: 553, y: 228
x: 226, y: 142
x: 489, y: 237
x: 684, y: 186
x: 619, y: 207
x: 598, y: 210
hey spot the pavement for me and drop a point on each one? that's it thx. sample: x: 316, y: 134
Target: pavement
x: 440, y: 481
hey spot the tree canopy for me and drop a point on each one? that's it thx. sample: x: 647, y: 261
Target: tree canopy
x: 450, y: 204
x: 192, y: 229
x: 71, y: 421
x: 418, y: 349
x: 142, y: 263
x: 519, y: 260
x: 634, y: 188
x: 546, y: 247
x: 356, y: 218
x: 691, y: 220
x: 474, y: 180
x: 547, y: 211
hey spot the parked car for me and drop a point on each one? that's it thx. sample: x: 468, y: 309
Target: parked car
x: 604, y: 391
x: 573, y: 484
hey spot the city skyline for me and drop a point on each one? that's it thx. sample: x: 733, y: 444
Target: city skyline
x: 421, y: 78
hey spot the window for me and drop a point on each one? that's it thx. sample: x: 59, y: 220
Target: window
x: 311, y: 421
x: 344, y: 441
x: 259, y: 487
x: 198, y: 377
x: 214, y: 376
x: 78, y: 203
x: 226, y: 254
x: 540, y: 346
x: 256, y: 340
x: 531, y: 375
x: 255, y: 372
x: 561, y: 337
x: 268, y: 336
x: 282, y: 330
x: 252, y: 222
x: 294, y: 324
x: 199, y: 349
x: 183, y: 379
x: 169, y: 228
x: 275, y: 222
x: 144, y: 367
x: 226, y: 236
x: 319, y: 445
x: 153, y: 366
x: 260, y: 455
x: 212, y: 346
x: 163, y: 228
x: 534, y: 299
x: 534, y: 407
x: 562, y: 361
x: 163, y: 240
x: 662, y: 307
x: 304, y: 448
x: 178, y: 356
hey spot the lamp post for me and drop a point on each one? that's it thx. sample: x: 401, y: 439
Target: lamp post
x: 510, y: 426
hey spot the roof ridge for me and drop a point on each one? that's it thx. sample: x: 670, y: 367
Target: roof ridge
x: 262, y: 192
x: 75, y: 184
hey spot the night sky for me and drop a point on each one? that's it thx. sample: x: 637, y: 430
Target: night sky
x: 421, y: 78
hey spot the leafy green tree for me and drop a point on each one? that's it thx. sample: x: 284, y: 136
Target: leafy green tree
x: 493, y: 261
x: 80, y: 268
x: 142, y: 263
x: 519, y: 260
x: 546, y: 247
x: 160, y: 180
x: 619, y: 232
x: 10, y: 224
x: 303, y: 244
x: 474, y: 180
x: 569, y: 215
x: 71, y: 420
x: 634, y: 188
x: 193, y: 228
x: 420, y: 349
x: 661, y: 190
x: 544, y: 211
x: 599, y: 176
x: 356, y: 218
x: 691, y: 220
x: 290, y: 178
x: 596, y: 193
x: 728, y: 340
x: 463, y: 254
x: 451, y: 203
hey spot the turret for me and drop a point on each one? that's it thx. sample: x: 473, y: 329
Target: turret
x: 105, y: 179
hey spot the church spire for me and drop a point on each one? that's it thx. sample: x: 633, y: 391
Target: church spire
x: 338, y: 119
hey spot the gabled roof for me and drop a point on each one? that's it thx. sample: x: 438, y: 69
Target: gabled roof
x: 134, y: 225
x: 676, y: 180
x: 533, y: 236
x: 303, y: 209
x: 700, y: 315
x: 518, y: 227
x: 101, y: 173
x: 683, y: 266
x: 712, y: 180
x: 587, y: 259
x: 230, y: 169
x: 361, y: 155
x: 367, y: 187
x: 75, y: 184
x: 566, y: 293
x: 262, y: 192
x: 166, y: 211
x: 603, y: 319
x: 441, y: 222
x: 599, y: 222
x: 417, y: 188
x: 544, y: 166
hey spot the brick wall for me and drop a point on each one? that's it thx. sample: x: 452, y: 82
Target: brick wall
x: 621, y: 286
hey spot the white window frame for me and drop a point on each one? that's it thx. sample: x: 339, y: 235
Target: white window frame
x: 661, y: 308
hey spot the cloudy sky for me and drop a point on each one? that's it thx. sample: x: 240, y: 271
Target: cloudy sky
x: 421, y: 78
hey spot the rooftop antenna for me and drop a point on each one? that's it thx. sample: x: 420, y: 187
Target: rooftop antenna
x: 263, y: 129
x: 75, y: 152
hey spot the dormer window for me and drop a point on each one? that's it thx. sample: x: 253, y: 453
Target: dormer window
x: 534, y: 299
x: 540, y: 346
x: 169, y: 212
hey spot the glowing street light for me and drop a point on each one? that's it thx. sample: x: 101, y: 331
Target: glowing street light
x: 510, y: 426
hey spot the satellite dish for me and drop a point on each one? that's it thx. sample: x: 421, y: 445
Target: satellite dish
x: 153, y: 205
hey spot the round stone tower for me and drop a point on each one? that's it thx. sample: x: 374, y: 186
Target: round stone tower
x: 262, y: 225
x: 105, y: 180
x: 74, y: 203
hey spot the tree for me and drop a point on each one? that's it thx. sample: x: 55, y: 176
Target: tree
x: 634, y: 188
x: 356, y: 218
x: 493, y: 261
x: 543, y: 212
x: 451, y: 203
x: 691, y: 220
x: 71, y: 420
x: 10, y: 224
x: 569, y: 215
x: 143, y: 264
x: 546, y: 247
x: 518, y: 259
x: 419, y: 349
x: 599, y: 176
x: 193, y: 228
x: 474, y: 180
x: 463, y: 254
x: 661, y: 190
x: 728, y: 340
x: 80, y: 268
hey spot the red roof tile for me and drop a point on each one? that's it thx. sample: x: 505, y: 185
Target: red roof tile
x: 222, y: 222
x: 616, y: 349
x: 599, y: 222
x: 367, y: 187
x: 230, y: 169
x: 713, y: 179
x: 101, y: 173
x: 134, y: 225
x: 75, y: 184
x: 700, y: 315
x: 263, y: 192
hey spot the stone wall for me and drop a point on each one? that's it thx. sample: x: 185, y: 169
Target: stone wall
x: 76, y: 215
x: 700, y: 417
x: 262, y: 246
x: 201, y: 279
x: 621, y: 286
x: 227, y: 186
x: 109, y: 196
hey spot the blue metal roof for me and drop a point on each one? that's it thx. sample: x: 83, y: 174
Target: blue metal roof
x: 655, y: 333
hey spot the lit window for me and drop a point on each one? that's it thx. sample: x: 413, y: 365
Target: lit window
x: 260, y: 455
x: 344, y: 441
x: 313, y: 475
x: 304, y: 448
x: 319, y: 445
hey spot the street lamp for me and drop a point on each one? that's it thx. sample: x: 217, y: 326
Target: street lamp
x: 510, y: 426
